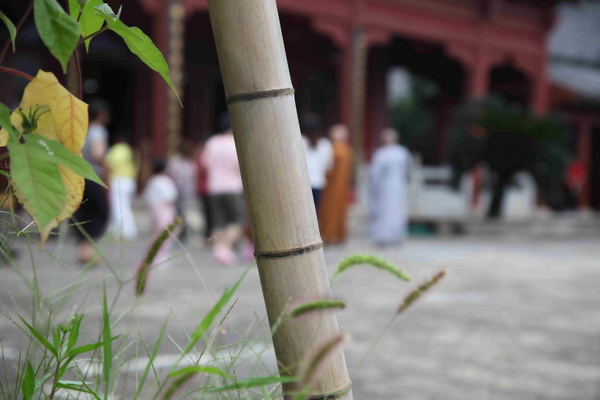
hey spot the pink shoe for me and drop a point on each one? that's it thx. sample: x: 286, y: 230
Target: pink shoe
x: 224, y: 255
x: 248, y: 252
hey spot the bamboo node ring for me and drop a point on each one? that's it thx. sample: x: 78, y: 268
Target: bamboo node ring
x: 259, y: 95
x: 289, y: 253
x: 331, y: 396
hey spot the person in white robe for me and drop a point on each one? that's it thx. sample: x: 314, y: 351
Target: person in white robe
x: 388, y: 181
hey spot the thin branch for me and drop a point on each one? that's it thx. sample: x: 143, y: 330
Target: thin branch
x: 91, y: 35
x: 79, y: 78
x: 21, y: 22
x: 16, y: 72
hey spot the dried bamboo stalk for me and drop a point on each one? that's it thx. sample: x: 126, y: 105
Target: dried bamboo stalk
x: 288, y: 245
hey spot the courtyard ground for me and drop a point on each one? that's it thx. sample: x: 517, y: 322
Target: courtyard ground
x: 516, y: 318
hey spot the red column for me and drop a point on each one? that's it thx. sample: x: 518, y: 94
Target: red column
x: 345, y: 82
x: 479, y: 82
x: 584, y: 152
x: 479, y: 85
x: 540, y: 99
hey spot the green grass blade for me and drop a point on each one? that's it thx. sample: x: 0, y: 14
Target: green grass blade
x: 74, y: 332
x: 265, y: 394
x: 197, y: 369
x: 40, y: 338
x: 212, y: 314
x: 28, y: 384
x: 56, y: 337
x: 90, y: 391
x: 253, y: 382
x: 85, y: 349
x: 107, y: 345
x: 77, y: 386
x: 153, y: 356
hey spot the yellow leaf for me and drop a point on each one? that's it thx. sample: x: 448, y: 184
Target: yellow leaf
x: 70, y: 113
x: 66, y: 122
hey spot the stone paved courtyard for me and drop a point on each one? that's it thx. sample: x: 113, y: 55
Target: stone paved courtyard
x: 516, y: 318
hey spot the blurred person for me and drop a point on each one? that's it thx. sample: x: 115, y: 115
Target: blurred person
x: 122, y: 172
x: 575, y: 181
x: 202, y: 193
x: 160, y: 195
x: 388, y: 190
x: 319, y: 156
x: 225, y: 192
x: 334, y: 202
x: 183, y: 169
x: 92, y: 214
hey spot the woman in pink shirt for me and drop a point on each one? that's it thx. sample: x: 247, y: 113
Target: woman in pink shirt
x: 225, y: 193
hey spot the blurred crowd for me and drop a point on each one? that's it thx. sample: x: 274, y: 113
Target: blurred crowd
x: 202, y: 184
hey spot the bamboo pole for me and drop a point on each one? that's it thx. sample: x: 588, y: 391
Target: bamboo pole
x: 289, y: 250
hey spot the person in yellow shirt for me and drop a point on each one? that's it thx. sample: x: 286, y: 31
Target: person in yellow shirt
x: 122, y: 172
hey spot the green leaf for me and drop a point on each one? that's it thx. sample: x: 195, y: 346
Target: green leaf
x: 90, y: 391
x: 199, y: 370
x: 66, y: 158
x: 58, y: 31
x: 28, y: 384
x: 253, y: 382
x: 56, y: 338
x: 74, y: 332
x: 138, y: 43
x: 42, y: 380
x: 77, y: 386
x: 12, y: 31
x: 5, y: 121
x: 212, y: 314
x: 84, y: 349
x: 89, y: 21
x: 107, y: 345
x: 40, y: 338
x: 36, y: 174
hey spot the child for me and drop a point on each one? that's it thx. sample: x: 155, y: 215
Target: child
x: 161, y: 196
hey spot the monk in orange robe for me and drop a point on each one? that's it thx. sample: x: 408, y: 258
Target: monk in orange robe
x: 334, y: 201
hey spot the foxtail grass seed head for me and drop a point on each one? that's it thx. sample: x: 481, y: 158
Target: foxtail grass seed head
x: 366, y: 259
x: 178, y: 384
x: 143, y: 271
x: 319, y: 305
x: 420, y: 290
x: 316, y: 359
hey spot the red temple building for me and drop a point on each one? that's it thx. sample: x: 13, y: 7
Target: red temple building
x: 339, y: 53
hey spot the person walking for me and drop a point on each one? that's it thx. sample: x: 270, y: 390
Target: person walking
x: 202, y: 194
x: 122, y: 173
x: 92, y: 215
x: 160, y: 195
x: 225, y: 192
x: 319, y: 156
x: 388, y: 190
x: 334, y: 201
x: 183, y: 169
